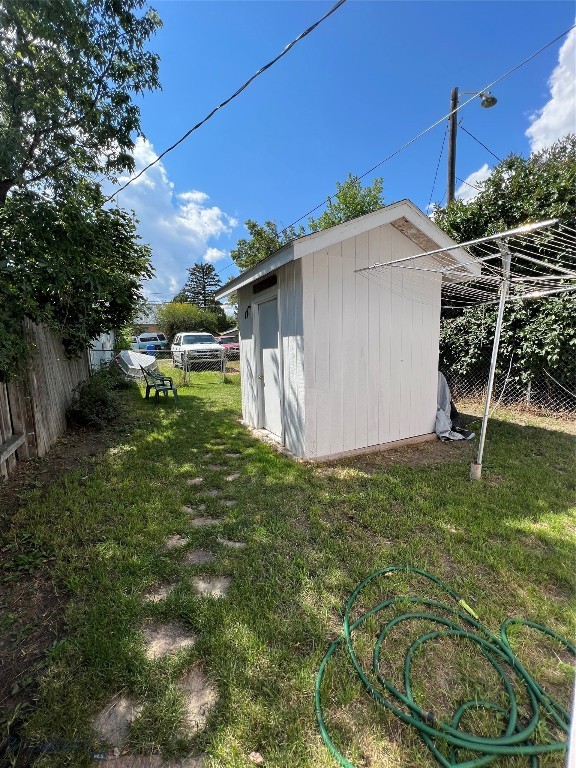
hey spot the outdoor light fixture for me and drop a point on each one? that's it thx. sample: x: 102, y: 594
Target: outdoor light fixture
x: 487, y: 100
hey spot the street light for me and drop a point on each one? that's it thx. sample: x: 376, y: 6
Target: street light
x: 486, y: 101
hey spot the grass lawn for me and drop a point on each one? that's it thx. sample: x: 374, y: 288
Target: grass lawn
x: 312, y: 533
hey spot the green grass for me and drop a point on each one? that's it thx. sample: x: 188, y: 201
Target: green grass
x: 312, y: 533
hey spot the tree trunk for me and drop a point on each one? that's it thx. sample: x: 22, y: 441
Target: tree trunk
x: 5, y: 187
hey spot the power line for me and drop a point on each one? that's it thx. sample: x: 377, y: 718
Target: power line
x: 437, y: 167
x: 444, y: 117
x: 481, y: 143
x: 230, y: 98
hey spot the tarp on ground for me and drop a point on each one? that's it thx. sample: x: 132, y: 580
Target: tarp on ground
x: 132, y: 362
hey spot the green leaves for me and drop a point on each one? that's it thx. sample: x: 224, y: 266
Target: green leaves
x: 67, y: 68
x: 351, y: 200
x: 540, y: 334
x: 75, y: 267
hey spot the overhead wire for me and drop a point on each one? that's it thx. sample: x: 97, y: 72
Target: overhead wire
x: 243, y: 87
x: 479, y: 142
x: 437, y: 167
x: 444, y: 117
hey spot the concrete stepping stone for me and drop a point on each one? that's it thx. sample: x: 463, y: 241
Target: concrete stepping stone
x: 213, y: 492
x: 231, y: 544
x: 195, y: 509
x: 232, y: 477
x: 167, y: 639
x: 175, y: 542
x: 216, y: 467
x: 195, y: 480
x: 200, y: 697
x: 153, y: 761
x: 229, y: 502
x: 212, y: 586
x: 157, y: 594
x: 233, y: 455
x: 113, y: 723
x: 198, y: 557
x: 198, y: 522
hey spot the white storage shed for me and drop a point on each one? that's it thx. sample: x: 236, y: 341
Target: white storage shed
x: 331, y: 361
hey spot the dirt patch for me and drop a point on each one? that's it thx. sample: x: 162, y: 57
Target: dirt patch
x: 31, y: 609
x: 414, y: 455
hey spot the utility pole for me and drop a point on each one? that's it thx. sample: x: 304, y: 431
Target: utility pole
x: 453, y: 126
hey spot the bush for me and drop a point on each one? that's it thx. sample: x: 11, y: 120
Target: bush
x: 96, y: 401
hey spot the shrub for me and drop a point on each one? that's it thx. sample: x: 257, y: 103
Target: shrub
x: 96, y: 401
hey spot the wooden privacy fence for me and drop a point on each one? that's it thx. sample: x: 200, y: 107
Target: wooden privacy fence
x: 33, y: 407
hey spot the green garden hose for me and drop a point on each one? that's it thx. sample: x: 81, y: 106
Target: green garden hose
x: 518, y: 738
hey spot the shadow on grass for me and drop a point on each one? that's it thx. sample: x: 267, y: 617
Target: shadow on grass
x: 311, y: 537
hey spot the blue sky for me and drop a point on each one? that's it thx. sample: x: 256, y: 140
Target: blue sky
x: 370, y: 78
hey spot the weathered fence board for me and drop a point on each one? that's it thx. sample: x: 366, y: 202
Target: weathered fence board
x: 33, y: 407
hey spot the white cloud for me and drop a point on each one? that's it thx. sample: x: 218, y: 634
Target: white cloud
x: 467, y: 190
x: 558, y: 117
x: 213, y: 255
x: 179, y: 226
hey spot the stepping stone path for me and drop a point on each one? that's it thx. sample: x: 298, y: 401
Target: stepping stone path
x: 164, y: 639
x: 228, y: 502
x: 212, y: 586
x: 195, y: 480
x: 213, y: 492
x: 175, y: 542
x: 198, y: 522
x: 154, y: 761
x: 216, y: 467
x: 233, y: 455
x: 232, y: 477
x: 159, y: 593
x: 198, y: 557
x: 113, y: 723
x: 231, y: 544
x: 200, y: 696
x: 194, y: 510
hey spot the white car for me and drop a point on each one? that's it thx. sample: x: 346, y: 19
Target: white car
x: 196, y: 349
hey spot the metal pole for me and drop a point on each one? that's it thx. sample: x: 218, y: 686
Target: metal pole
x: 453, y: 126
x: 476, y: 467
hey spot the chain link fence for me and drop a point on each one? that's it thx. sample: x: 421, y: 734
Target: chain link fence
x: 188, y: 368
x: 544, y: 395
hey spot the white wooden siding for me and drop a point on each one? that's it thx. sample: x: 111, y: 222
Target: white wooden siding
x: 291, y: 334
x: 248, y: 372
x: 371, y: 348
x: 289, y: 293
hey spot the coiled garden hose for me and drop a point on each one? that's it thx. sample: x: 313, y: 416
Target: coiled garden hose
x: 518, y: 737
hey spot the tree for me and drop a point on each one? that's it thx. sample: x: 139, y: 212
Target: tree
x: 351, y: 200
x: 66, y: 70
x: 69, y: 264
x: 540, y: 333
x: 201, y: 286
x: 176, y: 317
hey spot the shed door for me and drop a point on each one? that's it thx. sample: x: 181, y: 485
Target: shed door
x: 270, y: 360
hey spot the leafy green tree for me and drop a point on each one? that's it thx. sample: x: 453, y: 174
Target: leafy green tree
x: 69, y: 264
x: 67, y: 68
x: 540, y: 332
x: 264, y: 240
x: 350, y: 201
x: 177, y: 317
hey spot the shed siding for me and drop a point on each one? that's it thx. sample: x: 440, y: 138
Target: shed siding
x: 248, y: 372
x: 291, y: 334
x: 289, y: 293
x: 371, y: 351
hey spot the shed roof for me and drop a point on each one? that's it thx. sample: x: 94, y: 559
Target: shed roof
x: 403, y: 216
